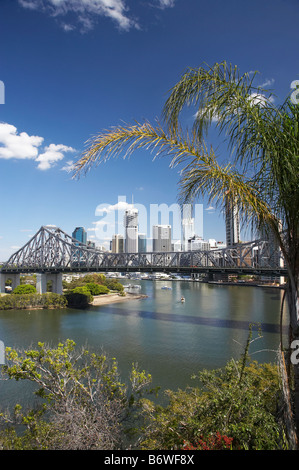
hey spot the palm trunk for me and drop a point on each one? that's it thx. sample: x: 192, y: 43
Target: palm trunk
x: 292, y: 290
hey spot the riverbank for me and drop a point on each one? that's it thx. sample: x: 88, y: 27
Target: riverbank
x: 114, y: 298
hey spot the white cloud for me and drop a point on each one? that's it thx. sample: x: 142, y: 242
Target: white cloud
x: 14, y: 145
x: 119, y: 206
x: 86, y: 11
x: 69, y: 166
x: 260, y: 99
x: 267, y: 82
x: 166, y: 3
x: 53, y: 153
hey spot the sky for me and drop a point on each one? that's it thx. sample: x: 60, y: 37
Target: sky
x: 70, y: 69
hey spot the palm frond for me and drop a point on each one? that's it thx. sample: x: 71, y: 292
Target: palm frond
x: 124, y: 140
x: 222, y: 95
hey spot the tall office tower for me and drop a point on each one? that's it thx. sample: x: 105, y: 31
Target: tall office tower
x: 232, y: 223
x: 188, y: 230
x: 80, y: 234
x: 117, y: 244
x: 142, y: 243
x: 161, y: 238
x: 131, y: 230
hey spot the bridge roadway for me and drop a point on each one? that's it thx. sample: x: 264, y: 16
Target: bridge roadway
x: 52, y: 252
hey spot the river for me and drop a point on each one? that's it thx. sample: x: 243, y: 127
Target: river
x: 169, y: 339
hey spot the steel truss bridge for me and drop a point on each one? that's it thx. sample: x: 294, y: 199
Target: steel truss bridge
x: 51, y: 250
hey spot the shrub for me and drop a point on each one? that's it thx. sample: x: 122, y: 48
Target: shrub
x: 80, y: 297
x: 239, y: 401
x: 96, y: 289
x: 84, y: 404
x: 23, y: 301
x: 112, y: 284
x: 24, y: 289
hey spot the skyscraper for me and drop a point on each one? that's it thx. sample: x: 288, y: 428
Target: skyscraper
x: 131, y: 230
x: 80, y: 234
x: 161, y: 238
x: 142, y: 243
x: 232, y: 223
x: 117, y: 244
x: 187, y: 226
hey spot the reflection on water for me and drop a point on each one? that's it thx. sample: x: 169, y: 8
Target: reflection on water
x: 170, y: 339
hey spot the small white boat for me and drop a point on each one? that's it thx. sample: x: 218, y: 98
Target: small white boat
x: 182, y: 299
x: 132, y: 286
x: 166, y: 287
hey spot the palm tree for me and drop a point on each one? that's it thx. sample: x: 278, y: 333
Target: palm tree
x: 261, y: 175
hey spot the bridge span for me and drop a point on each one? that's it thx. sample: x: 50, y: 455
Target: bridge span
x: 52, y: 252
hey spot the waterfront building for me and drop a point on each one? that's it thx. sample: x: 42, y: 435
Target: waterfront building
x: 117, y: 245
x: 80, y: 234
x: 131, y: 230
x: 161, y: 238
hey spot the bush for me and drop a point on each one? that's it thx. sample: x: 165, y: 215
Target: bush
x: 23, y: 301
x: 80, y: 297
x: 239, y: 401
x: 112, y: 284
x: 96, y: 289
x: 24, y: 289
x: 84, y: 405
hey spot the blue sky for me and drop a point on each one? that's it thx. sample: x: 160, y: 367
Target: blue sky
x: 72, y: 68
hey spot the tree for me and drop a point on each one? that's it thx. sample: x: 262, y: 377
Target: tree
x: 24, y: 289
x: 84, y: 403
x: 80, y: 297
x: 96, y: 289
x: 261, y: 175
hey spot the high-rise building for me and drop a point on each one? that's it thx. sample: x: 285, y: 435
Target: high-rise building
x: 232, y: 223
x: 187, y: 226
x: 131, y: 230
x: 142, y: 243
x: 161, y: 238
x: 117, y: 245
x: 80, y: 234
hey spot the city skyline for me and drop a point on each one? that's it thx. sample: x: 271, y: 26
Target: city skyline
x: 64, y: 77
x: 161, y: 238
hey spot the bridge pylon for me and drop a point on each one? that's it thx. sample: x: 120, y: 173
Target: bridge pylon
x: 15, y: 280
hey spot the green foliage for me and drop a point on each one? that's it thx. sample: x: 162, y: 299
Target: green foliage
x: 80, y: 297
x: 86, y: 405
x: 24, y: 289
x: 96, y: 289
x: 239, y: 401
x: 84, y: 402
x: 113, y: 284
x: 23, y: 301
x: 95, y: 279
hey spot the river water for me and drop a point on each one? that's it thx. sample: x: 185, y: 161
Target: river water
x: 169, y: 339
